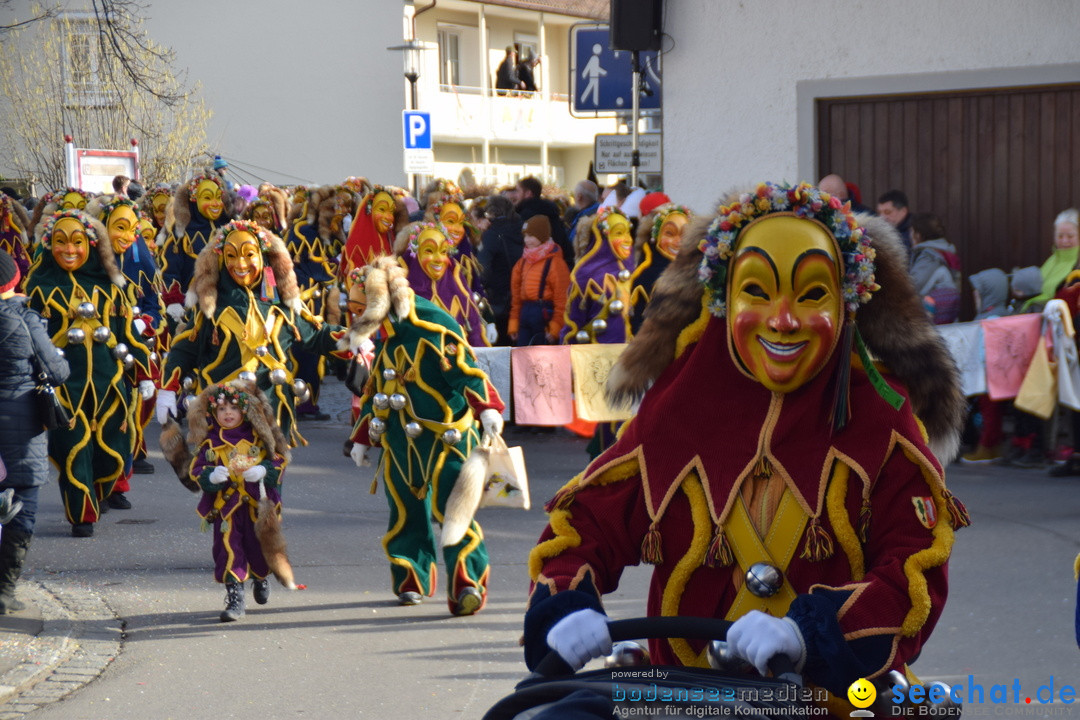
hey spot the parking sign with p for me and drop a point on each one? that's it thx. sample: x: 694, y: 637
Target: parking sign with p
x: 417, y: 125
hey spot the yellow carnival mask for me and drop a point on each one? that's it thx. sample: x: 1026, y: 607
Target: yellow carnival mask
x: 785, y: 308
x: 263, y: 215
x: 73, y: 201
x: 382, y: 212
x: 70, y: 245
x: 433, y: 253
x: 122, y: 226
x: 671, y: 232
x: 618, y: 235
x: 149, y: 234
x: 157, y: 206
x: 208, y: 199
x: 243, y: 258
x: 453, y: 219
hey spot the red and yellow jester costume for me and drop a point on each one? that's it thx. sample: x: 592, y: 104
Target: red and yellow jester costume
x: 719, y: 470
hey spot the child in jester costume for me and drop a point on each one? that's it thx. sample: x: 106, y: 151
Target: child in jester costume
x: 420, y: 406
x: 239, y: 457
x: 78, y: 288
x: 244, y: 323
x: 14, y: 223
x: 658, y: 238
x: 120, y: 217
x: 816, y: 517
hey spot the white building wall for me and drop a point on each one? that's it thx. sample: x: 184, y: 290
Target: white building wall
x: 305, y: 90
x: 741, y: 77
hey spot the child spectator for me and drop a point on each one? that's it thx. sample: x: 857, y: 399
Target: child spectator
x: 240, y: 454
x: 538, y: 285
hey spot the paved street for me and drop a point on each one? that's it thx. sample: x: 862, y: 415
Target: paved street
x: 142, y: 608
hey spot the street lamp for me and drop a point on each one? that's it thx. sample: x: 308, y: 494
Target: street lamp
x: 411, y: 53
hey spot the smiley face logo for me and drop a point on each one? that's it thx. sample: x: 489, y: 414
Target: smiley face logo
x: 862, y: 693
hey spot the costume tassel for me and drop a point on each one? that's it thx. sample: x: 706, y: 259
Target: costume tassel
x: 959, y: 513
x: 204, y: 526
x: 762, y: 468
x: 864, y: 520
x: 214, y: 339
x: 841, y: 389
x: 374, y: 486
x: 650, y: 547
x: 819, y: 544
x: 719, y: 554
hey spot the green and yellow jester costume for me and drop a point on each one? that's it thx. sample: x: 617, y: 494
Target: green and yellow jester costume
x: 421, y: 405
x: 77, y: 287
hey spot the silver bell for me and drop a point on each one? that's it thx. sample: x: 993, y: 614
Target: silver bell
x: 301, y: 390
x: 380, y: 401
x: 246, y: 376
x: 887, y: 689
x: 102, y: 334
x: 136, y: 310
x: 376, y: 426
x: 582, y: 336
x: 86, y: 310
x: 623, y: 275
x: 119, y: 351
x: 150, y: 342
x: 76, y: 336
x: 129, y: 361
x: 413, y: 429
x: 343, y: 301
x: 397, y: 401
x: 188, y: 383
x: 451, y: 436
x: 476, y: 297
x: 262, y: 351
x: 764, y: 580
x: 389, y: 374
x: 317, y: 293
x: 278, y: 376
x: 627, y: 653
x: 616, y: 306
x: 599, y: 325
x: 154, y: 357
x: 721, y: 658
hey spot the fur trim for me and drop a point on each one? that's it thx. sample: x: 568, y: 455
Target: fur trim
x: 643, y: 236
x: 387, y: 288
x: 22, y: 219
x: 401, y: 240
x: 898, y: 332
x: 464, y: 499
x: 203, y: 289
x: 177, y: 453
x: 272, y: 540
x: 106, y: 254
x: 259, y: 414
x: 181, y: 211
x: 583, y: 237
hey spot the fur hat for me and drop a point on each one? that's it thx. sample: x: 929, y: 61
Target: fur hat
x: 892, y: 322
x: 203, y: 290
x: 181, y: 201
x: 48, y: 205
x: 257, y: 411
x: 386, y: 287
x: 95, y: 233
x: 539, y: 227
x: 322, y: 205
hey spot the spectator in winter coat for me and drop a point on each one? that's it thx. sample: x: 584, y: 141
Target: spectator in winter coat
x: 500, y: 248
x: 539, y: 286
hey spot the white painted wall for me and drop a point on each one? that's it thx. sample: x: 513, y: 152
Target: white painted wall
x: 306, y: 90
x: 741, y: 77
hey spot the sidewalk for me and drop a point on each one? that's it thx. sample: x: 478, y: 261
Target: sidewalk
x: 64, y: 638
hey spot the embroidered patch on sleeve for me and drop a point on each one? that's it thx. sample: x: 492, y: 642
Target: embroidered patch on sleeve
x: 925, y: 511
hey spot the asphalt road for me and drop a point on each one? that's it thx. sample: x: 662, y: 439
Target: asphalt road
x: 344, y: 648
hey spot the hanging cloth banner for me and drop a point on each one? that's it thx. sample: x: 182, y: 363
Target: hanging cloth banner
x: 542, y: 386
x: 495, y: 361
x: 965, y: 344
x: 1010, y: 344
x: 591, y: 365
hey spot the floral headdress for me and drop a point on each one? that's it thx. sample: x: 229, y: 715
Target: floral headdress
x: 369, y: 199
x: 217, y: 240
x: 80, y: 215
x: 419, y: 228
x: 803, y: 201
x: 445, y: 191
x: 227, y: 395
x: 603, y: 218
x: 117, y: 201
x: 160, y: 189
x: 662, y: 213
x: 193, y: 183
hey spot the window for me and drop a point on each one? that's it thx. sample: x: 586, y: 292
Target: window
x: 82, y: 62
x: 449, y: 55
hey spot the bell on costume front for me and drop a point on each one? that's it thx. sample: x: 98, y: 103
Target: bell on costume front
x: 244, y: 323
x: 421, y: 406
x: 78, y: 288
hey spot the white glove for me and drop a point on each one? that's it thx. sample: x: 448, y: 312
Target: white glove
x: 492, y: 422
x: 166, y: 405
x: 146, y: 389
x: 579, y: 637
x: 758, y: 637
x: 140, y: 325
x: 255, y: 473
x: 492, y: 333
x: 175, y: 311
x: 363, y: 455
x: 219, y: 475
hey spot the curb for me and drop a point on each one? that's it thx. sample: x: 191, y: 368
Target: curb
x: 80, y: 636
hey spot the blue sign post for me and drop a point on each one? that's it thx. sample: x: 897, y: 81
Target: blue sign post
x: 601, y: 79
x: 417, y: 129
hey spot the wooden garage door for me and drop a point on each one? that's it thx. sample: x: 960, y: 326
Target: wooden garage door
x: 996, y: 165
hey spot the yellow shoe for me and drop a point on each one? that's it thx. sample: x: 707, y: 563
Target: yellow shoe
x: 981, y: 455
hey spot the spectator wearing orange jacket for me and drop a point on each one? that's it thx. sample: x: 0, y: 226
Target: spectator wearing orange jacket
x: 538, y: 287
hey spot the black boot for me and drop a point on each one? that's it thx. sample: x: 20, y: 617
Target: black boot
x: 234, y: 602
x: 260, y: 590
x: 14, y: 543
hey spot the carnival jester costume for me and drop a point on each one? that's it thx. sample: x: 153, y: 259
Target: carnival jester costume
x: 78, y: 288
x: 658, y: 238
x: 445, y: 207
x: 598, y: 306
x: 198, y: 209
x: 435, y: 275
x: 421, y: 406
x: 380, y: 215
x: 239, y: 458
x: 14, y: 223
x: 816, y: 516
x: 244, y: 323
